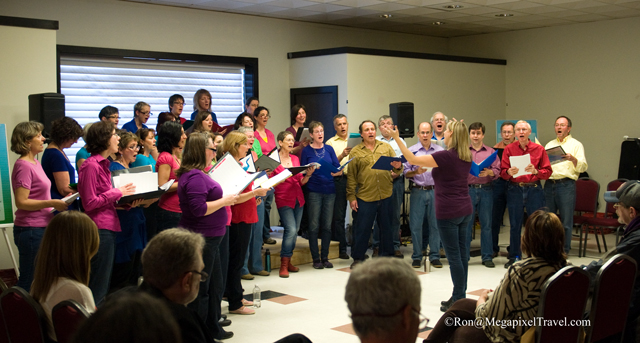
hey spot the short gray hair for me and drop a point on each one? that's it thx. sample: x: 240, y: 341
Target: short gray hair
x: 446, y: 119
x: 338, y: 116
x: 245, y: 129
x: 139, y: 106
x: 523, y: 122
x: 377, y: 289
x: 385, y: 117
x: 169, y: 255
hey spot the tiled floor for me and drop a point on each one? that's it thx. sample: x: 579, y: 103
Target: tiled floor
x: 311, y: 301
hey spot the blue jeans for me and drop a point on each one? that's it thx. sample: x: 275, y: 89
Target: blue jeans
x: 560, y: 198
x: 102, y: 265
x: 453, y: 233
x: 290, y: 218
x: 253, y: 260
x: 27, y: 240
x: 482, y: 203
x: 320, y: 208
x: 207, y: 304
x: 517, y: 199
x: 368, y: 212
x: 167, y: 219
x: 423, y: 224
x: 396, y: 202
x: 340, y: 211
x: 267, y: 215
x: 499, y: 206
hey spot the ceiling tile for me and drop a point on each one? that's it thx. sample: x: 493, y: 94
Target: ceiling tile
x: 424, y: 3
x: 467, y: 19
x: 489, y: 2
x: 635, y: 4
x: 388, y: 7
x: 290, y: 3
x: 419, y: 11
x: 325, y: 8
x: 356, y: 12
x: 262, y: 9
x: 445, y: 15
x: 586, y: 17
x: 624, y: 14
x: 222, y: 5
x: 517, y: 5
x: 563, y: 14
x: 553, y: 22
x: 606, y: 9
x: 580, y: 4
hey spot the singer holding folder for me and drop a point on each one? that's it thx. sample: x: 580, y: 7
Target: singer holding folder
x: 453, y: 204
x: 243, y: 215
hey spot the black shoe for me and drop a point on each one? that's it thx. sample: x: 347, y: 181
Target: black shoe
x: 217, y: 341
x: 445, y: 308
x: 447, y: 303
x: 224, y: 316
x: 489, y: 264
x: 270, y: 241
x: 510, y: 263
x: 398, y: 254
x: 436, y: 264
x: 225, y: 335
x: 416, y: 263
x: 495, y: 254
x: 355, y: 263
x: 344, y: 256
x: 224, y: 322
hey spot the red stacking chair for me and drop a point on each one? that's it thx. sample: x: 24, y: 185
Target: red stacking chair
x: 564, y: 296
x: 23, y: 316
x: 67, y: 317
x: 611, y: 299
x: 587, y: 191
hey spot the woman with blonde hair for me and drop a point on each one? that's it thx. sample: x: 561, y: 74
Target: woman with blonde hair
x: 31, y: 189
x: 517, y: 296
x: 202, y: 102
x: 63, y: 264
x: 243, y: 215
x: 453, y: 203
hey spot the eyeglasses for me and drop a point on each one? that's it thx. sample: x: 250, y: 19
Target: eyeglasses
x: 145, y: 113
x: 134, y: 148
x: 561, y: 125
x: 178, y: 103
x: 619, y: 205
x: 115, y: 134
x: 264, y: 116
x: 212, y: 149
x: 113, y: 117
x: 203, y: 275
x: 421, y: 325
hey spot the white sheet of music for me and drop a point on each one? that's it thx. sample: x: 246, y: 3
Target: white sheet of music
x: 230, y: 175
x: 144, y: 182
x: 520, y: 162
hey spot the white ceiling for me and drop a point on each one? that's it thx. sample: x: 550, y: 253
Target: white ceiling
x: 419, y: 16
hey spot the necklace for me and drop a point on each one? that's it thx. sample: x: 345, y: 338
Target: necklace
x: 321, y: 154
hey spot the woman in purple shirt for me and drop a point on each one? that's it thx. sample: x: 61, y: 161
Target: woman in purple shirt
x: 203, y: 211
x: 453, y: 204
x: 33, y: 198
x: 99, y: 201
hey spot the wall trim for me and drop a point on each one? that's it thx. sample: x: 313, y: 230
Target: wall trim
x: 29, y: 23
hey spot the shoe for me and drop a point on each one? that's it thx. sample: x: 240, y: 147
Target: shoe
x: 447, y: 302
x: 243, y: 310
x: 270, y: 241
x: 317, y: 264
x: 510, y: 263
x: 262, y: 273
x: 224, y: 316
x: 284, y: 267
x: 225, y: 335
x: 366, y: 257
x: 355, y: 263
x: 293, y: 268
x: 446, y: 307
x: 398, y: 254
x: 416, y: 263
x: 327, y: 264
x: 344, y: 256
x: 246, y: 302
x: 489, y: 264
x: 495, y: 254
x: 442, y: 254
x: 217, y: 341
x: 247, y: 277
x: 224, y: 322
x: 375, y: 252
x: 436, y: 264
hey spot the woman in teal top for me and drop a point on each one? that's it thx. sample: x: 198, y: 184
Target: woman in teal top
x: 148, y: 152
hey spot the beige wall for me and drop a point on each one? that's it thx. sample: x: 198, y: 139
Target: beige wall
x: 28, y: 66
x: 588, y: 72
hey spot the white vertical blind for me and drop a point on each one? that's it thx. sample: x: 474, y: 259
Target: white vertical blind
x: 90, y: 83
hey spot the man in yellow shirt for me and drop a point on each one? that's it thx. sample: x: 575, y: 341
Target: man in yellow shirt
x: 369, y: 192
x: 339, y: 144
x: 560, y: 189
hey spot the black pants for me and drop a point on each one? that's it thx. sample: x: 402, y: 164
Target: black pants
x: 340, y: 211
x: 238, y: 244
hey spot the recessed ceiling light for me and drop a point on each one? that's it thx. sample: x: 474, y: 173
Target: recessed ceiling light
x: 386, y: 16
x: 438, y: 23
x: 504, y: 15
x: 453, y: 6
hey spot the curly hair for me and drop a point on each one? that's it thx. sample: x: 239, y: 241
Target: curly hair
x: 99, y: 136
x: 22, y: 134
x: 65, y: 129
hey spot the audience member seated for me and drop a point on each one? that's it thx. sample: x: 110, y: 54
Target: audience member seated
x: 386, y: 311
x: 517, y: 296
x: 627, y: 204
x: 130, y: 318
x: 63, y: 263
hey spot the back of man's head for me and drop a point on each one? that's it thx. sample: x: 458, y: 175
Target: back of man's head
x: 169, y: 255
x: 377, y: 293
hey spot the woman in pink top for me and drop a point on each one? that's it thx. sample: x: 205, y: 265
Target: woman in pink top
x: 171, y: 139
x: 99, y: 201
x: 267, y: 143
x: 289, y: 200
x: 64, y: 262
x: 31, y: 189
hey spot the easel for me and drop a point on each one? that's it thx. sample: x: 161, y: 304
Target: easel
x: 4, y: 228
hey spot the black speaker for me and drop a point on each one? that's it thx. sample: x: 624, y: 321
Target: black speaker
x: 629, y: 167
x: 45, y: 108
x: 402, y: 115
